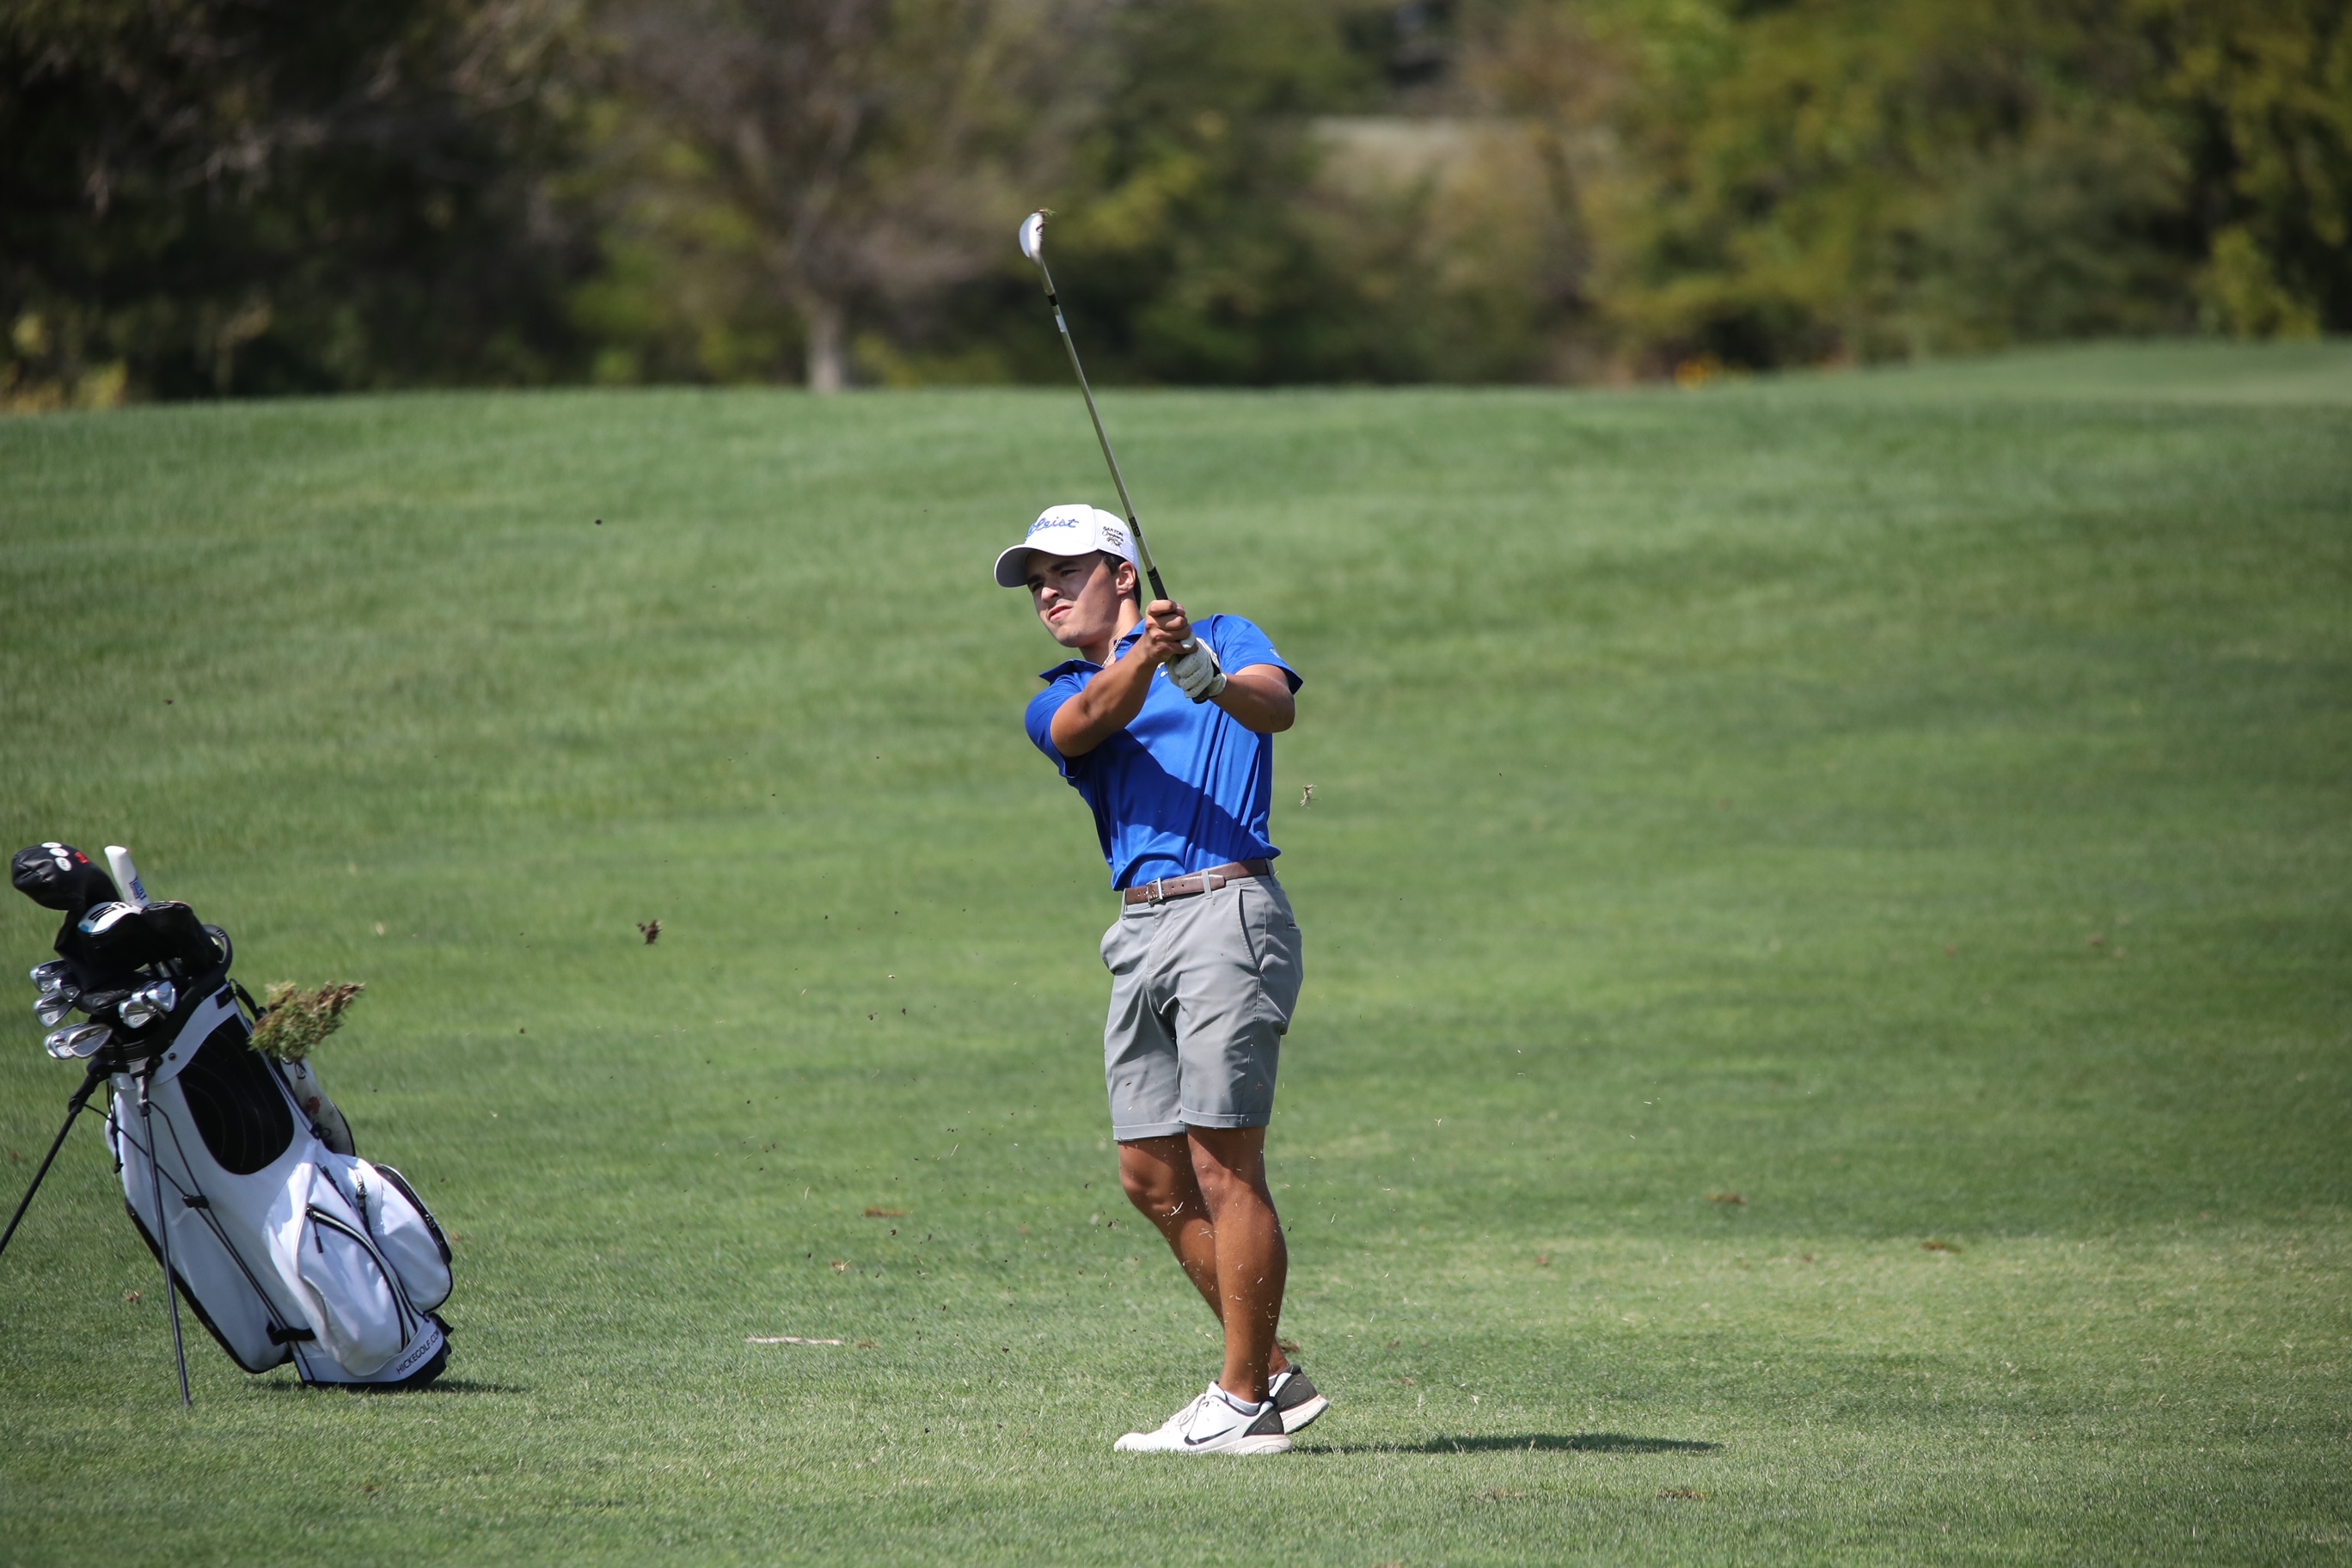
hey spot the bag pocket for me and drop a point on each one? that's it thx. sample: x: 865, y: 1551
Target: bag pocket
x: 407, y: 1234
x: 360, y: 1322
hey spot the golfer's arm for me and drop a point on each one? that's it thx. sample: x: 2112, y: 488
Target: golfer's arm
x: 1107, y: 704
x: 1259, y: 699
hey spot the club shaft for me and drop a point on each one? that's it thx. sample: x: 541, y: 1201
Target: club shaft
x: 1069, y: 345
x: 73, y: 1108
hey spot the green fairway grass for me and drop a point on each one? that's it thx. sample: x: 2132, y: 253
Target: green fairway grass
x: 1828, y: 1032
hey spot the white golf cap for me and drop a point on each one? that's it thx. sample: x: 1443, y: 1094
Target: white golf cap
x: 1074, y: 528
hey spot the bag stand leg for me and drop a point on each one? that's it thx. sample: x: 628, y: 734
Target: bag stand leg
x: 164, y: 1238
x: 73, y: 1108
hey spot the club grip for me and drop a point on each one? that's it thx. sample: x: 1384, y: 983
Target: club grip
x: 126, y: 875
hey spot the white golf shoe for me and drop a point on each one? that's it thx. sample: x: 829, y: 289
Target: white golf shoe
x: 1147, y: 1442
x: 1299, y: 1401
x: 1210, y: 1425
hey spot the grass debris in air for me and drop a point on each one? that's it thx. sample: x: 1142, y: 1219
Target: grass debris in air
x: 295, y: 1019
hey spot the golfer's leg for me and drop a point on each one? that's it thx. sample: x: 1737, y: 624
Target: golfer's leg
x: 1253, y: 1262
x: 1158, y: 1175
x: 1140, y: 1070
x: 1236, y: 985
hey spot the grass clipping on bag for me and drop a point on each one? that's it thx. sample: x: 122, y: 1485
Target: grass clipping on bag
x: 295, y: 1019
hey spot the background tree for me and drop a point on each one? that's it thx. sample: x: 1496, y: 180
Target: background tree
x: 833, y: 155
x: 2259, y: 96
x: 207, y: 197
x: 1834, y: 180
x: 1852, y: 181
x: 210, y: 197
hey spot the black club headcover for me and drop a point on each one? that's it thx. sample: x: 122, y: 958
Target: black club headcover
x: 60, y: 877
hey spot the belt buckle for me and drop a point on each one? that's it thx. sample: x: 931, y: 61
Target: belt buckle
x: 1159, y: 892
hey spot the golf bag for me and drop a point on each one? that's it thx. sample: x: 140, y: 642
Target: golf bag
x: 236, y: 1169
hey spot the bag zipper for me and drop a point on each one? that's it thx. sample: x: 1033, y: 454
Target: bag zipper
x: 432, y: 1225
x: 320, y: 1217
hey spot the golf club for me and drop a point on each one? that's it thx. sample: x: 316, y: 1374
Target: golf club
x: 1033, y: 245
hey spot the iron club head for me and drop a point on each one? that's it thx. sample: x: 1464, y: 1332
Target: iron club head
x: 148, y: 1004
x: 53, y: 1006
x: 1033, y: 236
x: 83, y: 1040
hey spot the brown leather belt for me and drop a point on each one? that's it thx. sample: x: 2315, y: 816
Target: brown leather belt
x: 1192, y: 884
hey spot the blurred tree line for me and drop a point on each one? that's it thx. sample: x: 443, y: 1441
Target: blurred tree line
x: 217, y: 197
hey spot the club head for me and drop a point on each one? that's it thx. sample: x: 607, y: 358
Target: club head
x: 1032, y: 236
x: 51, y: 976
x: 79, y: 1043
x: 104, y: 918
x: 52, y: 1008
x: 147, y: 1003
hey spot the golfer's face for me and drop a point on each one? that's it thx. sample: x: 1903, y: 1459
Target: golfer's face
x: 1076, y: 596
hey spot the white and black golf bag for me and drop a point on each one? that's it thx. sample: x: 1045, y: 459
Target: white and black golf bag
x: 287, y: 1249
x: 238, y: 1172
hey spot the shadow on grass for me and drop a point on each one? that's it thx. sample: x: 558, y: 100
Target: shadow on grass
x: 465, y: 1385
x: 1533, y: 1443
x: 439, y: 1385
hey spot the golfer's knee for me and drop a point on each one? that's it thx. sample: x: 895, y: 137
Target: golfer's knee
x: 1155, y: 1192
x: 1222, y: 1184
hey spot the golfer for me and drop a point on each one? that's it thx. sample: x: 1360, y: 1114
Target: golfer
x: 1175, y: 758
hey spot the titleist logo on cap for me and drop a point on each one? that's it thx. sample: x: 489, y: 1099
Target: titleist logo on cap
x: 1074, y: 528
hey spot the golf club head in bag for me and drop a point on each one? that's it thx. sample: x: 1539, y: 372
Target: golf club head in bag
x: 104, y: 942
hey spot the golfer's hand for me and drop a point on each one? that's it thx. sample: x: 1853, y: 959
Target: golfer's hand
x: 1195, y: 668
x: 1167, y: 630
x: 1198, y: 672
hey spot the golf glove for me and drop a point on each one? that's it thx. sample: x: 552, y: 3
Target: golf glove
x: 1198, y: 672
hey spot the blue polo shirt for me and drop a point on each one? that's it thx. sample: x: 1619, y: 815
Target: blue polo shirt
x: 1184, y: 786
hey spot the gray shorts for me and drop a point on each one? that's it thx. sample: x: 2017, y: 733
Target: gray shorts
x: 1200, y: 994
